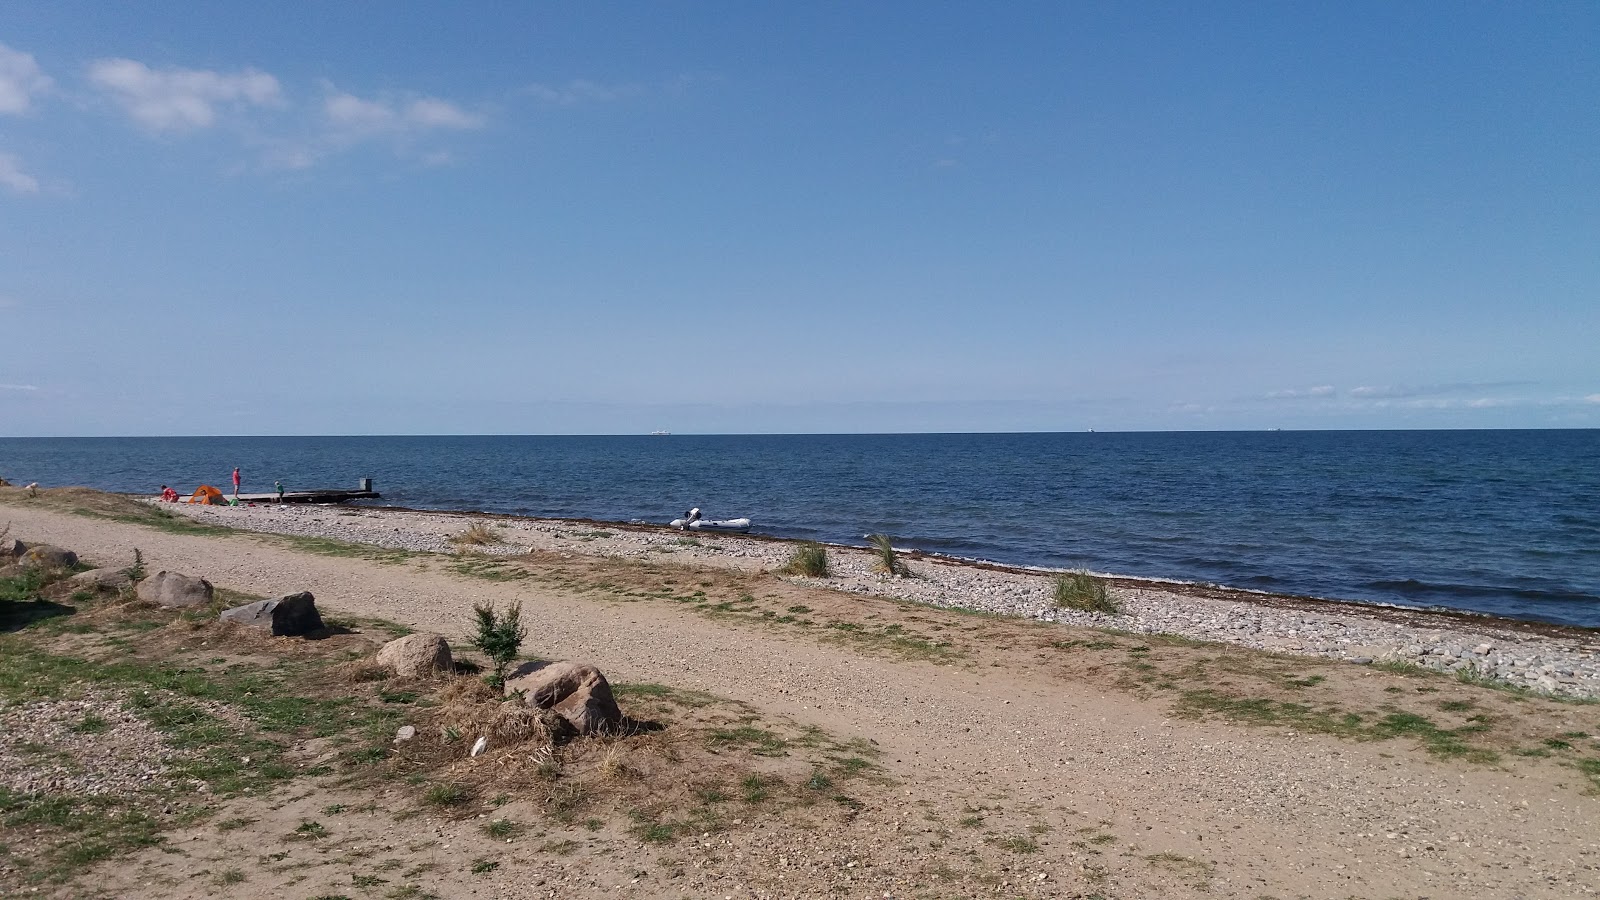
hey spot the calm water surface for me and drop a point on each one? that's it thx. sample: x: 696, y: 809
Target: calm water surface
x: 1506, y: 522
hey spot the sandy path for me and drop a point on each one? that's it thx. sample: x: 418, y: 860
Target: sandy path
x: 1276, y: 813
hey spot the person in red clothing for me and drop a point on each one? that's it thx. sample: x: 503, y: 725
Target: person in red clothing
x: 168, y: 494
x: 236, y: 481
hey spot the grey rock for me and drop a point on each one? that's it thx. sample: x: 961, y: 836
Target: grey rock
x: 46, y: 556
x: 416, y: 655
x: 406, y: 733
x: 577, y: 692
x: 101, y: 579
x: 11, y: 548
x: 291, y: 615
x: 176, y: 590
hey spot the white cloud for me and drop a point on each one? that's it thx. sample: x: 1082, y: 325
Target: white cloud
x: 579, y: 91
x: 20, y: 80
x: 1321, y: 390
x: 18, y: 387
x: 1592, y: 398
x: 357, y: 117
x: 12, y: 176
x: 180, y: 99
x: 431, y: 113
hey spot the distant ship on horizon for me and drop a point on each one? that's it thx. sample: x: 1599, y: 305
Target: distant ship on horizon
x: 658, y: 433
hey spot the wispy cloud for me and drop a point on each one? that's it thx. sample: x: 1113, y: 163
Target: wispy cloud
x: 175, y: 99
x: 13, y: 178
x: 1592, y: 398
x: 580, y: 91
x: 20, y: 80
x: 18, y: 387
x: 1405, y: 391
x: 359, y: 117
x: 1321, y: 390
x: 346, y: 120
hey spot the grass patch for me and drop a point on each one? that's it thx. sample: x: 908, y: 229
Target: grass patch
x: 1445, y: 743
x: 478, y: 534
x: 810, y: 559
x: 1083, y: 592
x: 888, y: 559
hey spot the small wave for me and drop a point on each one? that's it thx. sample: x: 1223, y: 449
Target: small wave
x: 1411, y: 587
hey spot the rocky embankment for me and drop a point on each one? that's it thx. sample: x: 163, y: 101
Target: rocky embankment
x: 1548, y: 660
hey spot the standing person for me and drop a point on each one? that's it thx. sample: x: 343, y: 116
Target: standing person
x: 279, y: 486
x: 236, y: 481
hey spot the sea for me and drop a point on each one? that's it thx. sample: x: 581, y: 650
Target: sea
x: 1499, y: 522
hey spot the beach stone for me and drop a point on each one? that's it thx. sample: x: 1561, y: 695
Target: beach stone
x: 291, y: 615
x: 101, y: 579
x: 47, y: 556
x: 12, y: 548
x: 405, y: 733
x: 577, y: 692
x: 416, y: 655
x: 175, y: 589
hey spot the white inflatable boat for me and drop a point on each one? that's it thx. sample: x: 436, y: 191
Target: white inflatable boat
x: 692, y: 521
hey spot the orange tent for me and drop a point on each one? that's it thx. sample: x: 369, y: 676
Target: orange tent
x: 208, y: 495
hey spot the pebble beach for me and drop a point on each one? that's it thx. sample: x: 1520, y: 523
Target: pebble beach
x: 1552, y: 660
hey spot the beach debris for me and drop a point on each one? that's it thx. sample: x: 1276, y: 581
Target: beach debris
x: 48, y: 556
x: 101, y: 579
x: 175, y: 589
x: 291, y: 615
x: 480, y: 745
x: 416, y: 655
x: 577, y: 692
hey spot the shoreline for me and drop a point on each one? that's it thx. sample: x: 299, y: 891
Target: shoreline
x: 1546, y: 658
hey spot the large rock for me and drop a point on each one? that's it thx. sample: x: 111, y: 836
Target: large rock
x: 417, y: 655
x: 45, y: 556
x: 575, y: 691
x: 175, y: 589
x: 288, y: 616
x: 12, y: 548
x: 101, y: 579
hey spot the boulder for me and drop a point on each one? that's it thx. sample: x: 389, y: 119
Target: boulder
x: 175, y: 589
x: 45, y: 556
x: 575, y: 691
x: 416, y: 655
x: 288, y: 616
x: 12, y: 548
x: 101, y: 579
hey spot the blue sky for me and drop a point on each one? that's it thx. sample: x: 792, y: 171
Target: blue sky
x: 316, y: 218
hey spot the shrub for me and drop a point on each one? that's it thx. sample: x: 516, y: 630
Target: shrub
x: 809, y: 559
x: 499, y: 637
x: 478, y: 534
x: 136, y: 572
x: 1080, y: 590
x: 889, y: 561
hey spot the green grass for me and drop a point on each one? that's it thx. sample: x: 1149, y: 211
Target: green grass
x: 1447, y: 743
x: 502, y: 829
x: 1084, y: 592
x: 810, y: 559
x: 888, y: 559
x: 446, y: 794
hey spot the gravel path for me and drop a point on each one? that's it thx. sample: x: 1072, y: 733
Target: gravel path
x: 1266, y: 811
x: 1473, y: 647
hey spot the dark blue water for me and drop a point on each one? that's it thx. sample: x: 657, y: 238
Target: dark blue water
x: 1506, y: 522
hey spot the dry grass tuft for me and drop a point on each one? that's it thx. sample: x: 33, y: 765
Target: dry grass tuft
x: 810, y: 559
x: 469, y: 690
x: 362, y: 671
x: 478, y: 534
